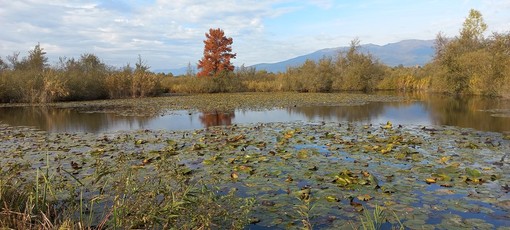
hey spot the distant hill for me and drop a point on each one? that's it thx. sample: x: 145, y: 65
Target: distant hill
x: 407, y: 52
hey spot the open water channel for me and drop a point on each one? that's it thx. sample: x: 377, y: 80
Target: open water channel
x: 484, y: 114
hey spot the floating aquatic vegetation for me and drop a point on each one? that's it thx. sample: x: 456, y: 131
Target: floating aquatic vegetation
x: 339, y: 169
x: 217, y: 102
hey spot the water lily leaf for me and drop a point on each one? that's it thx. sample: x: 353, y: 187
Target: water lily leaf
x: 263, y: 159
x: 211, y: 160
x: 357, y: 206
x: 442, y: 177
x: 289, y: 134
x: 430, y: 180
x: 364, y: 197
x: 388, y: 149
x: 387, y: 126
x: 244, y: 168
x: 329, y: 135
x: 236, y: 138
x: 342, y: 181
x: 303, y: 154
x: 388, y: 189
x: 140, y: 142
x: 198, y: 146
x: 234, y: 175
x: 473, y: 173
x: 400, y: 156
x: 444, y: 160
x: 450, y: 169
x: 332, y: 199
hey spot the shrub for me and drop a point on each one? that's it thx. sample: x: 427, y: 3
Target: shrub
x: 31, y: 80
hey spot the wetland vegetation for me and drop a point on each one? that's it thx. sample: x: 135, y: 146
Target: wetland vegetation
x: 313, y: 173
x: 289, y: 174
x: 467, y: 64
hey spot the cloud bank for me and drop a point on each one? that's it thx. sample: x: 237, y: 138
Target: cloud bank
x: 169, y: 34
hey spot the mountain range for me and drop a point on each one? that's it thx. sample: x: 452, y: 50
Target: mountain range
x: 410, y: 52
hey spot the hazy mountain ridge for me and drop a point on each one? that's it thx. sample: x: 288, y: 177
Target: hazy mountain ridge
x: 407, y: 53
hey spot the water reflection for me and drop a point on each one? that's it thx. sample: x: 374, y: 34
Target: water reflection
x: 68, y: 120
x: 216, y: 118
x: 469, y: 112
x: 421, y: 109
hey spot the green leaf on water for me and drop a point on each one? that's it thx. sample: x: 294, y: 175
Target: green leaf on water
x: 473, y: 173
x: 303, y: 154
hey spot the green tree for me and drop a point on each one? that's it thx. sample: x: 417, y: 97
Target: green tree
x: 473, y: 27
x: 321, y: 78
x: 144, y: 83
x: 37, y: 59
x: 499, y: 52
x: 86, y: 78
x: 356, y: 70
x: 464, y: 58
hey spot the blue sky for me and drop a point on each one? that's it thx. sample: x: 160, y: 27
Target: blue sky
x: 170, y: 33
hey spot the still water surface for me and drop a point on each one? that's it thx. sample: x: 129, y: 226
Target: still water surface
x: 474, y: 112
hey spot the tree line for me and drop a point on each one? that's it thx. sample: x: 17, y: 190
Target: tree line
x: 32, y: 80
x: 468, y: 63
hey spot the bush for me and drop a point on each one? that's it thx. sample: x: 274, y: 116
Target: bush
x: 31, y: 80
x: 224, y: 82
x: 357, y: 71
x: 86, y: 78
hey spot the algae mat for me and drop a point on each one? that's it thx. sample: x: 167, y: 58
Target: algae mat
x: 433, y: 177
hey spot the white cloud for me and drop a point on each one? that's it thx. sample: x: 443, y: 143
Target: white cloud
x: 84, y: 27
x: 169, y: 33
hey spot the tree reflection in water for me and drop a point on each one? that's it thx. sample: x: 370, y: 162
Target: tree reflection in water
x: 68, y: 120
x: 216, y: 118
x: 481, y: 113
x: 470, y: 112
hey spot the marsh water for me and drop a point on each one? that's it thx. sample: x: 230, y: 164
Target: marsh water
x: 468, y: 169
x: 480, y: 113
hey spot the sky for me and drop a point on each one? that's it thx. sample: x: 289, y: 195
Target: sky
x: 169, y: 33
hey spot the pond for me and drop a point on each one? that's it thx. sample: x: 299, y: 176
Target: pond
x: 480, y: 113
x: 428, y: 160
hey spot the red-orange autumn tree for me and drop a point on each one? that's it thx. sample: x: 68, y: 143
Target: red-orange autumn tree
x: 217, y: 54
